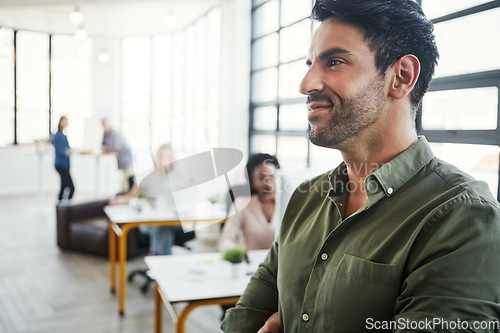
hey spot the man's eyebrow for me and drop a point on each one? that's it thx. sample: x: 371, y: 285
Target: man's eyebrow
x: 325, y: 55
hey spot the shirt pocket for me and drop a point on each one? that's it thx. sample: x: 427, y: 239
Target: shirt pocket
x: 360, y: 290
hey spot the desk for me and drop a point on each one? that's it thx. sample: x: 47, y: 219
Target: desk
x: 123, y: 218
x: 198, y: 278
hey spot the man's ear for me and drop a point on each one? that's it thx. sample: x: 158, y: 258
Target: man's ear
x: 403, y: 76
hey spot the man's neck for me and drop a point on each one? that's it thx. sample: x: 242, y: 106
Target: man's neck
x: 366, y: 156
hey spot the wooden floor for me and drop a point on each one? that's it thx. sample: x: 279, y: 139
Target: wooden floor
x: 44, y: 289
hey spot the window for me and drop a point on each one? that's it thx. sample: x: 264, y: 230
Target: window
x: 460, y: 113
x: 32, y: 86
x: 136, y: 91
x: 51, y: 78
x: 172, y: 79
x: 161, y: 113
x: 281, y: 35
x: 71, y: 85
x: 6, y: 86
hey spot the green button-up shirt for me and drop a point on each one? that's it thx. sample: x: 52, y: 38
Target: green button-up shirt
x: 424, y: 250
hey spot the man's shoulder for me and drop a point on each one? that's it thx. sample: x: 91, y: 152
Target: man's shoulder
x: 319, y: 185
x: 325, y: 176
x: 453, y: 179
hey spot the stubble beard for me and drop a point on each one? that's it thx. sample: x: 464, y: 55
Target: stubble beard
x: 351, y: 117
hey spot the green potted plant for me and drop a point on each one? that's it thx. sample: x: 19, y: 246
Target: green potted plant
x: 215, y: 199
x: 235, y: 256
x: 141, y: 202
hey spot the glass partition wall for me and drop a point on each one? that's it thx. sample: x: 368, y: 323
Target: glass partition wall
x: 460, y: 114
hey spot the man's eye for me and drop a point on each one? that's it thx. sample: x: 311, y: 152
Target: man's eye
x: 334, y: 62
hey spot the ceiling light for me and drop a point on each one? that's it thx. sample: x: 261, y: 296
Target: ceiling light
x: 81, y: 33
x: 103, y: 57
x: 76, y: 17
x: 170, y: 20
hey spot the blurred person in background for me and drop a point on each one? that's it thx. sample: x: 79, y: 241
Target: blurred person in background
x: 62, y: 153
x: 114, y: 143
x: 157, y: 187
x: 254, y: 226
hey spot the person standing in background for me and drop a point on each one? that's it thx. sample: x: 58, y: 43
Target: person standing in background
x: 62, y: 152
x: 114, y: 143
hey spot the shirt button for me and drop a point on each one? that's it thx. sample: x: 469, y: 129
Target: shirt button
x: 390, y: 190
x: 305, y: 317
x: 324, y: 256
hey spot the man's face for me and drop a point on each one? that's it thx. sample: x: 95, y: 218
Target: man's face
x: 345, y: 91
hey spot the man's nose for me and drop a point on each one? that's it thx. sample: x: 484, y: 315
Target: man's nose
x: 312, y: 81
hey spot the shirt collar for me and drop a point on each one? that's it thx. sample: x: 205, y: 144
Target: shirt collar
x: 338, y: 179
x: 389, y: 177
x: 393, y: 175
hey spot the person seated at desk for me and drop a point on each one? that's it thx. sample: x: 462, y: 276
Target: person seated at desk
x: 157, y: 186
x: 254, y: 226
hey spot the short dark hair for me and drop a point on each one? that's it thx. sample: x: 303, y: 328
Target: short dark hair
x: 254, y: 161
x: 392, y: 29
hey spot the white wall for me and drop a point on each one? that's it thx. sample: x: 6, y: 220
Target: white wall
x: 26, y: 170
x: 235, y: 76
x: 20, y: 169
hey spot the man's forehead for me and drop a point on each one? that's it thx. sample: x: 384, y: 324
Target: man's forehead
x: 334, y: 33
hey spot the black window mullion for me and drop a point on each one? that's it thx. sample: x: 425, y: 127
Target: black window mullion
x: 15, y: 87
x: 469, y: 11
x: 50, y: 85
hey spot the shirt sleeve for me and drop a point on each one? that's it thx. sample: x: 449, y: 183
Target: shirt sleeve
x: 452, y: 271
x: 259, y: 301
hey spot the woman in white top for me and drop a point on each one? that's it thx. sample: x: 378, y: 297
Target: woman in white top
x: 254, y: 226
x: 157, y: 185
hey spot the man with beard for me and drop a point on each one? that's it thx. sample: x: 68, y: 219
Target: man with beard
x: 393, y: 239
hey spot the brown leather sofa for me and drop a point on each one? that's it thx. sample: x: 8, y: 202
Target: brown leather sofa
x: 83, y: 227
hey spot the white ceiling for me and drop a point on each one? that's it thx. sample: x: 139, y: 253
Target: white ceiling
x: 102, y: 17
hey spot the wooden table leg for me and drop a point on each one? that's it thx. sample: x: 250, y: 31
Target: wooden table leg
x: 123, y: 270
x: 158, y: 310
x: 112, y: 258
x: 181, y: 324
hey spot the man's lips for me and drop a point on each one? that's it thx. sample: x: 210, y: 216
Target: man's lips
x: 316, y: 107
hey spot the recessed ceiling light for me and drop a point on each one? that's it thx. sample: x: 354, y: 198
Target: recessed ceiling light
x: 76, y: 17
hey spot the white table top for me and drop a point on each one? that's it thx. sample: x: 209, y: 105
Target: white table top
x: 128, y: 214
x: 199, y: 276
